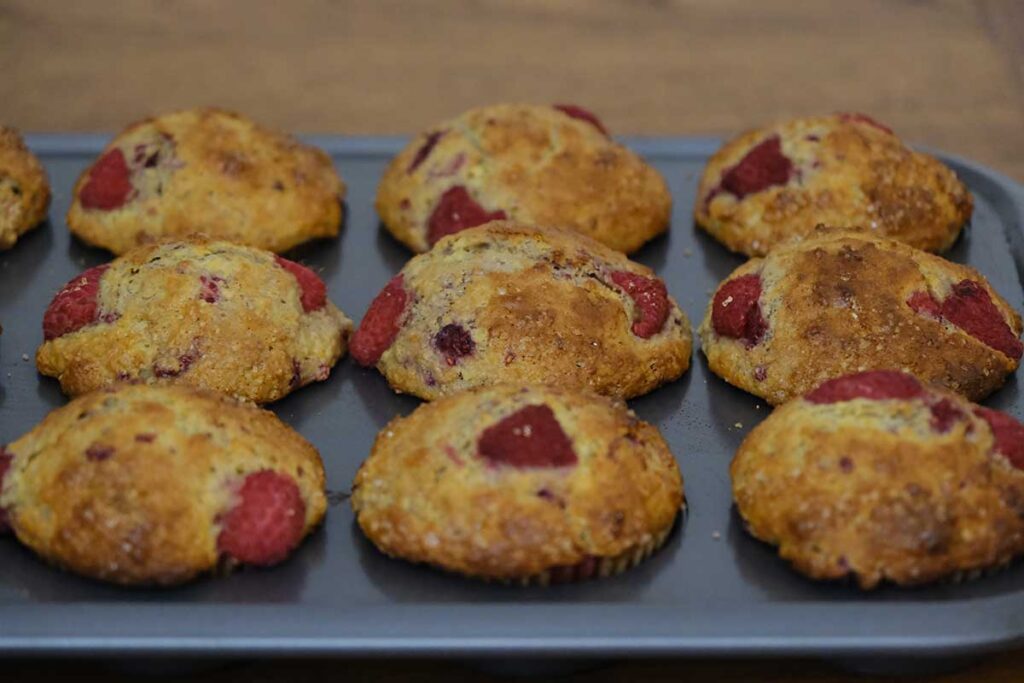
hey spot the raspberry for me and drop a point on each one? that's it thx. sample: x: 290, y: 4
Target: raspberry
x: 75, y: 305
x: 267, y: 521
x: 876, y: 385
x: 847, y: 117
x: 924, y: 304
x: 944, y: 414
x: 99, y: 452
x: 314, y: 291
x: 1008, y: 433
x: 455, y: 212
x: 736, y: 311
x: 109, y: 183
x: 530, y: 437
x: 650, y: 299
x: 763, y: 166
x: 970, y: 308
x: 581, y: 114
x: 209, y: 288
x: 454, y: 342
x: 185, y: 361
x: 424, y: 151
x: 380, y: 325
x: 5, y: 464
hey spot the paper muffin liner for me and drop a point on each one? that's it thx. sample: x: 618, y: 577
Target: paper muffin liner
x: 598, y: 567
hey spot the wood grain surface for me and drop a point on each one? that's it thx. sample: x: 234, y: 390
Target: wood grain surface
x: 948, y: 74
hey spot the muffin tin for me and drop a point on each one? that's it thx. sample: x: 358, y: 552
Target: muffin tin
x: 711, y: 590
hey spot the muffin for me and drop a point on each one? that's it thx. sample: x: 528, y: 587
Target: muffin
x: 774, y: 183
x: 843, y: 301
x: 201, y: 312
x: 138, y: 484
x: 546, y: 165
x: 519, y: 483
x: 878, y: 478
x: 513, y: 303
x: 24, y: 188
x: 210, y: 171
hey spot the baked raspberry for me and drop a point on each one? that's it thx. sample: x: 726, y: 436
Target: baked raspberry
x: 314, y: 291
x: 923, y: 303
x: 875, y: 385
x: 582, y: 114
x: 454, y: 342
x: 455, y: 212
x: 1008, y: 433
x: 5, y: 464
x: 970, y: 308
x: 98, y: 452
x: 737, y: 312
x: 267, y: 521
x: 650, y: 299
x: 209, y: 288
x: 763, y: 166
x: 945, y: 414
x: 864, y: 118
x: 109, y: 183
x: 75, y: 305
x: 380, y: 325
x: 424, y: 151
x: 529, y: 437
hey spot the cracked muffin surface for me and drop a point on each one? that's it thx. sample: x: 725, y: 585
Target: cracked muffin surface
x: 155, y: 485
x: 210, y: 171
x: 519, y: 483
x: 201, y: 312
x: 506, y: 302
x: 843, y: 301
x: 777, y: 182
x: 24, y: 188
x: 876, y: 477
x: 547, y: 165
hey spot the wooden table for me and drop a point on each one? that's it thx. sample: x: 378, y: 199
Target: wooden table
x: 949, y: 74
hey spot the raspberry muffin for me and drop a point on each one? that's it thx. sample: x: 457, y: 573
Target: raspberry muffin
x: 138, y: 484
x: 512, y: 303
x: 876, y: 477
x: 843, y: 301
x: 201, y: 312
x: 526, y: 483
x: 546, y: 165
x: 24, y: 188
x: 210, y: 171
x: 778, y: 182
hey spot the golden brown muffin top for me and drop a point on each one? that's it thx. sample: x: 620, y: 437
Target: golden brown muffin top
x: 510, y: 302
x: 877, y: 477
x: 24, y: 188
x: 772, y: 183
x: 206, y: 170
x: 203, y: 312
x: 134, y: 484
x: 527, y: 163
x: 512, y: 481
x: 841, y: 301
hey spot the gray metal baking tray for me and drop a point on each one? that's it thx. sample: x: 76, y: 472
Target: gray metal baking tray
x: 712, y: 590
